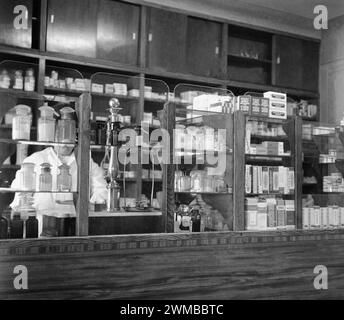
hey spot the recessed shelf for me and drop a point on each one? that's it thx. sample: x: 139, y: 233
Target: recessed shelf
x: 248, y: 59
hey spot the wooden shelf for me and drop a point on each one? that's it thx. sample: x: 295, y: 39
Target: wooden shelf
x: 270, y: 138
x: 10, y: 190
x: 37, y: 143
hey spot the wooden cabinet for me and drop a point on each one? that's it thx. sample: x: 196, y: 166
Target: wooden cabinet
x: 204, y: 39
x: 166, y: 40
x: 72, y: 27
x: 118, y: 31
x: 16, y: 23
x: 297, y: 63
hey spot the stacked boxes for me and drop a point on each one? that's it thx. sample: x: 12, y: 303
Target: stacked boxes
x: 317, y: 217
x: 277, y: 104
x: 254, y: 106
x: 269, y: 214
x: 268, y: 179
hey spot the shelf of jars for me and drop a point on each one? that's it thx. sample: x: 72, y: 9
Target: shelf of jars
x: 323, y: 154
x: 203, y: 151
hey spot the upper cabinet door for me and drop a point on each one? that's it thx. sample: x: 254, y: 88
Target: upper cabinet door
x: 297, y: 63
x: 204, y: 39
x: 16, y: 23
x: 118, y: 32
x: 166, y: 40
x: 72, y: 27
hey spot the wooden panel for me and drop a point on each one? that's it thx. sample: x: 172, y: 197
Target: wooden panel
x: 72, y: 27
x: 83, y: 161
x: 9, y: 35
x: 298, y: 63
x: 118, y: 32
x: 204, y: 47
x: 167, y: 40
x: 239, y: 171
x: 254, y: 269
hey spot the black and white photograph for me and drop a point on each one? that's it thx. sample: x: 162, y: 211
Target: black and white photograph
x: 171, y: 155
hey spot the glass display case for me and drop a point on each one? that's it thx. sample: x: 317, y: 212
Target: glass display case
x: 270, y: 162
x: 203, y: 159
x: 323, y: 184
x: 35, y: 184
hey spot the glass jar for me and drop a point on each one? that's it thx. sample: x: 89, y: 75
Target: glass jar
x: 197, y: 180
x: 45, y: 178
x: 185, y: 183
x: 46, y: 124
x: 208, y: 184
x: 3, y: 227
x: 177, y: 177
x: 21, y: 123
x: 66, y: 126
x: 30, y: 82
x: 64, y: 179
x: 5, y: 80
x: 31, y: 225
x: 27, y: 177
x: 18, y: 80
x: 179, y: 137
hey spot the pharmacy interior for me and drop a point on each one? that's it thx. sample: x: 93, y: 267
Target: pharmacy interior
x: 123, y: 122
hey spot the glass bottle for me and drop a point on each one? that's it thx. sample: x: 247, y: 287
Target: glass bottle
x: 3, y: 227
x: 105, y: 163
x: 21, y: 123
x: 64, y: 179
x: 45, y: 178
x: 31, y: 225
x: 16, y: 226
x: 27, y: 177
x: 185, y: 183
x: 93, y: 132
x: 5, y: 80
x: 46, y: 124
x: 66, y: 126
x: 18, y: 80
x: 29, y: 81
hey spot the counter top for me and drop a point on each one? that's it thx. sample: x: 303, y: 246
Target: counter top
x: 162, y: 241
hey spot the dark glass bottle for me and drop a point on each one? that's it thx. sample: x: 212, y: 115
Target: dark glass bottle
x: 195, y: 221
x: 31, y: 227
x: 93, y: 132
x: 16, y: 227
x: 3, y: 227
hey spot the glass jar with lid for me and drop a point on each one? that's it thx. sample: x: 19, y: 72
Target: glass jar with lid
x: 197, y: 180
x: 66, y: 126
x: 18, y: 80
x: 46, y: 124
x: 27, y: 177
x: 45, y: 178
x: 21, y: 123
x: 5, y: 80
x: 64, y: 179
x: 185, y: 183
x: 29, y: 82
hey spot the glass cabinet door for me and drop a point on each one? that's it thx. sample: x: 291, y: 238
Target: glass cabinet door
x: 323, y: 168
x: 203, y: 159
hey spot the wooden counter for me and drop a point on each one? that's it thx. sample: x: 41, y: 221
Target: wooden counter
x: 176, y: 266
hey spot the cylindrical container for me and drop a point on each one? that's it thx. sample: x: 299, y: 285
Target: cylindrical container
x: 5, y: 80
x: 27, y: 177
x: 30, y: 81
x: 101, y: 130
x: 18, y: 80
x: 45, y: 178
x: 21, y: 124
x: 31, y: 226
x: 16, y: 227
x: 66, y: 126
x: 3, y: 227
x: 64, y: 179
x: 93, y: 132
x: 46, y: 124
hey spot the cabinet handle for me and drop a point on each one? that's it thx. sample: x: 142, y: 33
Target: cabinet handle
x: 52, y: 18
x: 150, y: 37
x: 278, y: 61
x: 134, y: 35
x: 217, y: 51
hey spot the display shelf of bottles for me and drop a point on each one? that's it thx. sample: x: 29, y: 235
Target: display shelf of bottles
x: 37, y: 143
x: 204, y: 193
